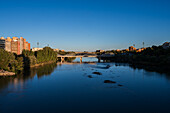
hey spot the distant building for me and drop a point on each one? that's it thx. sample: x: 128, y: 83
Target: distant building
x: 36, y: 49
x: 131, y: 48
x: 14, y: 44
x: 108, y: 55
x: 126, y: 49
x: 117, y: 50
x: 140, y: 50
x: 100, y: 51
x: 57, y: 50
x: 166, y: 45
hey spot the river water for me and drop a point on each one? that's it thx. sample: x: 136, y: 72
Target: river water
x: 73, y: 88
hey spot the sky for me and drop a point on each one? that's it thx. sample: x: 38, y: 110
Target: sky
x: 87, y: 25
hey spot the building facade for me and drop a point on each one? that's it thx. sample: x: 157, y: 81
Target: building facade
x: 131, y: 48
x: 8, y: 44
x: 2, y: 43
x: 14, y: 44
x: 36, y: 49
x: 100, y: 51
x: 57, y: 50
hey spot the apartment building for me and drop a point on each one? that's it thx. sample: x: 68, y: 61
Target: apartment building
x: 14, y: 44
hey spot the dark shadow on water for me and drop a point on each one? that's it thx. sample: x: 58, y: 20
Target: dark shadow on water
x: 40, y: 71
x: 163, y: 71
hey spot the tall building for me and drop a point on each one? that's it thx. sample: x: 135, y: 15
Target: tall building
x: 27, y: 46
x: 15, y: 47
x: 2, y: 43
x: 8, y: 45
x: 21, y: 40
x: 14, y: 44
x: 24, y: 43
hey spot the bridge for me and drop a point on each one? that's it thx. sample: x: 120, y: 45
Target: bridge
x: 85, y: 55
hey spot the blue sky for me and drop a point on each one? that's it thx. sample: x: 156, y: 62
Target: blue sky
x: 87, y: 24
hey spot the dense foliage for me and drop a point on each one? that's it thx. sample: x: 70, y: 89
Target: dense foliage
x: 29, y: 58
x: 10, y: 61
x: 155, y: 55
x: 64, y: 52
x: 45, y: 55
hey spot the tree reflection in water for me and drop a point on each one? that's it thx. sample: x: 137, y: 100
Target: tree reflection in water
x: 148, y: 69
x: 48, y: 69
x: 27, y: 74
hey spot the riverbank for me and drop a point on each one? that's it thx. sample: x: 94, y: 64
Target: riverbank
x: 6, y: 73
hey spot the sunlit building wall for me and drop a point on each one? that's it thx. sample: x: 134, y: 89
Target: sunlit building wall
x: 14, y: 44
x: 21, y: 44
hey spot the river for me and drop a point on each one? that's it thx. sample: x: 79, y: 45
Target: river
x: 73, y: 88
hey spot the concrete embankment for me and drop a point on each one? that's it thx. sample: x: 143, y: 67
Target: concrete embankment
x: 6, y: 73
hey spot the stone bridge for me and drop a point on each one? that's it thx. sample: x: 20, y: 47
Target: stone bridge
x: 81, y: 56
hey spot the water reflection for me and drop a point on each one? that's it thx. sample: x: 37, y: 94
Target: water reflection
x: 150, y: 70
x: 27, y: 74
x: 40, y: 71
x: 48, y: 69
x: 86, y: 59
x: 92, y: 87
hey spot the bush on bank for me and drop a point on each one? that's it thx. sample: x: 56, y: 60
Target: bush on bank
x: 10, y: 61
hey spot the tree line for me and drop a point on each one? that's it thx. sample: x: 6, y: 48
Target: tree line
x: 155, y: 55
x: 16, y: 63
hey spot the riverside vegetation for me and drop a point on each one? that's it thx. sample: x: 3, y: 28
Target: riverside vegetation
x: 155, y: 56
x: 16, y: 63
